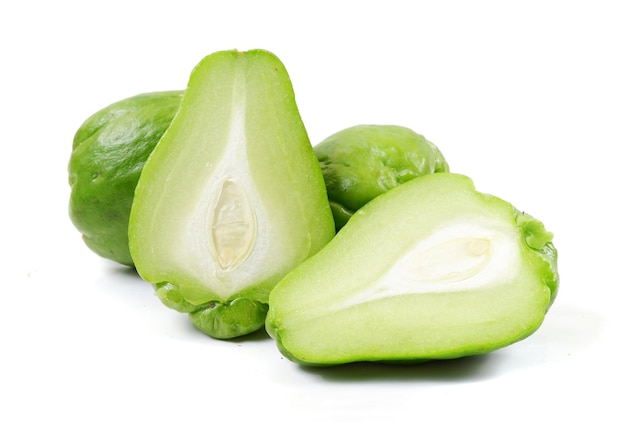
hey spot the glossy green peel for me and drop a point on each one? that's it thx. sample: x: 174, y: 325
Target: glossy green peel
x: 361, y: 162
x: 432, y: 269
x: 232, y: 198
x: 108, y: 154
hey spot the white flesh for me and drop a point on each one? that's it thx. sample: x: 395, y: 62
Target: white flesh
x: 458, y: 257
x: 233, y: 251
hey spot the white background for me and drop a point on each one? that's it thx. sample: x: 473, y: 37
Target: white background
x: 527, y: 98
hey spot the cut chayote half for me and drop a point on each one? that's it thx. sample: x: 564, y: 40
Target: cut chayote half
x: 361, y: 162
x: 432, y: 269
x: 232, y: 197
x: 108, y: 154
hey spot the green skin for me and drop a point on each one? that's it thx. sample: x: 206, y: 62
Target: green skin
x: 361, y: 162
x: 376, y: 292
x: 108, y: 154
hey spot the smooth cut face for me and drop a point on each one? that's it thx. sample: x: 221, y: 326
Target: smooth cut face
x: 232, y: 198
x: 429, y: 270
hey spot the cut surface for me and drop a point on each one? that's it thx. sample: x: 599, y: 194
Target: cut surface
x: 232, y: 198
x: 458, y: 257
x: 226, y: 236
x: 430, y: 270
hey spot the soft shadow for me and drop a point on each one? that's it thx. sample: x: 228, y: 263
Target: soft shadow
x: 567, y: 331
x: 472, y: 368
x: 123, y: 271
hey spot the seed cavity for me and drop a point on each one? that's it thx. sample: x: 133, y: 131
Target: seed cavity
x: 232, y: 225
x: 445, y: 262
x: 452, y: 261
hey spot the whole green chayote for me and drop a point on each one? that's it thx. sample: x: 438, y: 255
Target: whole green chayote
x: 361, y: 162
x: 108, y: 154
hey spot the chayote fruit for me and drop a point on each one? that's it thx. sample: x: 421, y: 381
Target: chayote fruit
x: 108, y: 154
x: 432, y: 269
x: 232, y: 198
x: 361, y: 162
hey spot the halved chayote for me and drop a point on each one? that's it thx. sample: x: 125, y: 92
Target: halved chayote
x: 232, y: 198
x: 432, y: 269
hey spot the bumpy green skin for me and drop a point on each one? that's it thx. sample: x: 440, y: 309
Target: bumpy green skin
x: 361, y: 162
x: 108, y: 154
x: 224, y: 320
x: 230, y: 319
x: 543, y: 253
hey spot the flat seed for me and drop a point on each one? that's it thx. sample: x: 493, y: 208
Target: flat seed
x: 478, y: 247
x: 452, y: 261
x: 233, y: 226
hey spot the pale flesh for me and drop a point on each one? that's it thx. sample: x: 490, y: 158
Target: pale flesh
x: 430, y: 270
x: 232, y: 198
